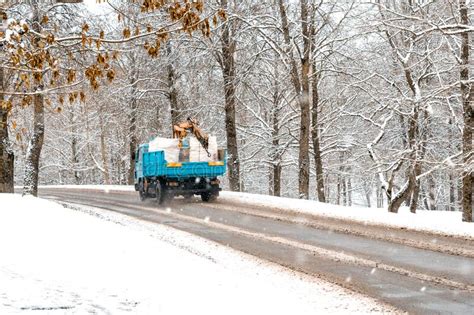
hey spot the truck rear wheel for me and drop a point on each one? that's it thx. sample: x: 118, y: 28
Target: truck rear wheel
x: 159, y: 193
x: 209, y: 196
x: 162, y: 194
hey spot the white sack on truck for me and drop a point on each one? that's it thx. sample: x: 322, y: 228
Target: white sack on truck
x: 213, y: 148
x: 194, y: 148
x: 169, y: 146
x: 198, y: 154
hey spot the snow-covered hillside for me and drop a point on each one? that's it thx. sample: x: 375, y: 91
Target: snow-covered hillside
x: 56, y: 260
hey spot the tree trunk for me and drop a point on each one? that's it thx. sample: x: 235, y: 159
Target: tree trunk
x: 105, y: 162
x: 270, y: 180
x: 349, y: 191
x: 301, y: 86
x: 467, y: 97
x: 172, y: 92
x: 229, y: 75
x: 277, y: 155
x: 103, y: 149
x: 342, y: 188
x: 431, y: 193
x: 74, y: 159
x: 459, y: 193
x: 367, y: 199
x: 305, y: 120
x: 452, y: 192
x: 379, y: 193
x: 425, y: 200
x: 397, y: 201
x: 416, y: 183
x: 415, y: 167
x: 277, y: 180
x: 414, y: 197
x: 318, y: 161
x: 6, y: 153
x: 133, y: 122
x: 35, y: 145
x: 344, y: 191
x: 341, y: 182
x: 34, y: 148
x: 118, y: 165
x: 407, y: 190
x: 338, y: 189
x: 327, y: 188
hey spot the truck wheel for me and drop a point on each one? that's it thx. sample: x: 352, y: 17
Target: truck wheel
x: 142, y: 195
x: 208, y: 197
x: 160, y: 193
x: 141, y: 192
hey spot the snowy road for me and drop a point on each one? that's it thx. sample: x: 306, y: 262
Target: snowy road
x: 409, y: 277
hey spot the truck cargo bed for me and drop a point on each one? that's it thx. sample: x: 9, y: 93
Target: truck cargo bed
x: 154, y: 165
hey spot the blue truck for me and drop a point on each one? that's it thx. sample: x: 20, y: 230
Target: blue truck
x: 157, y: 178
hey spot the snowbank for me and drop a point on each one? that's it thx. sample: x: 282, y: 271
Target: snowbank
x: 60, y: 261
x: 105, y: 188
x: 443, y: 222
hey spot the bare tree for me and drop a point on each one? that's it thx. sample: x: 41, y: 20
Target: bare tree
x: 173, y: 92
x: 300, y: 80
x: 227, y: 63
x: 35, y: 145
x: 6, y: 152
x: 467, y: 97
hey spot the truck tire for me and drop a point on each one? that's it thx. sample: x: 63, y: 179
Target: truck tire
x: 141, y: 191
x: 208, y: 196
x: 142, y: 195
x: 160, y: 193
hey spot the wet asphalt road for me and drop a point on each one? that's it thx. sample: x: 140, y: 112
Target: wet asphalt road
x: 422, y: 281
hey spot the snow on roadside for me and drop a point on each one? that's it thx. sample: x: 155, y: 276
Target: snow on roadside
x: 56, y: 260
x: 441, y: 222
x: 105, y: 188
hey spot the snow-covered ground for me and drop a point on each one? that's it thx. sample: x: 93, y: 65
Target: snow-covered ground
x: 55, y: 260
x: 443, y: 222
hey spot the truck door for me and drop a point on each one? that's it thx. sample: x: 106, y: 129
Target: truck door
x: 138, y: 165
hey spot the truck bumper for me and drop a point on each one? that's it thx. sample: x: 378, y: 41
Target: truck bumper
x: 196, y: 191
